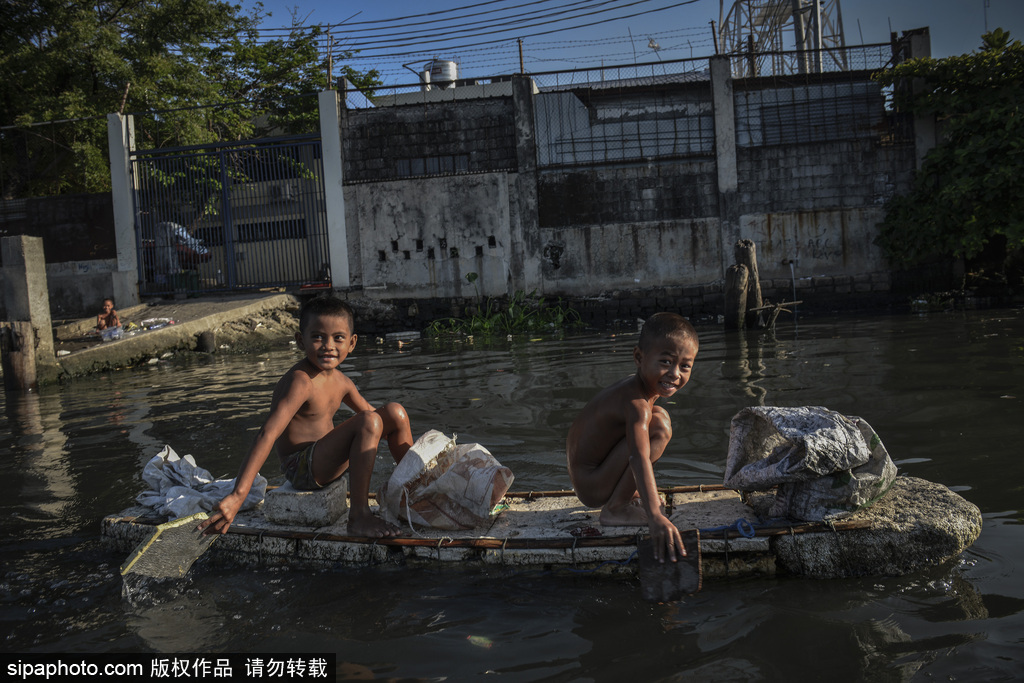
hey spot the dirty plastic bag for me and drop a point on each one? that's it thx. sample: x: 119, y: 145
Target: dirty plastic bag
x: 826, y: 465
x: 444, y: 485
x: 179, y: 488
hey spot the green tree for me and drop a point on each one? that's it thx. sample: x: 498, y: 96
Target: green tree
x: 65, y: 59
x: 969, y: 190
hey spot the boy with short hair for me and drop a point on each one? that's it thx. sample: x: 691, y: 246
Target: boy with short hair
x: 615, y: 441
x: 313, y: 451
x: 107, y: 319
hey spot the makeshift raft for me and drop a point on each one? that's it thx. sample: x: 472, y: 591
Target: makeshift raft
x: 916, y: 524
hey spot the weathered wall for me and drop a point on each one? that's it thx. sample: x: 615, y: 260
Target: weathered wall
x: 665, y: 191
x: 428, y: 189
x: 423, y: 237
x: 812, y: 162
x: 76, y: 288
x: 78, y: 244
x: 73, y: 227
x: 589, y: 259
x: 389, y: 143
x: 818, y: 204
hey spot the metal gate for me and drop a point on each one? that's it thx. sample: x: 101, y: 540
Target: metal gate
x: 231, y: 216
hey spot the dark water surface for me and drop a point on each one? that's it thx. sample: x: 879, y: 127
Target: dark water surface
x: 945, y: 392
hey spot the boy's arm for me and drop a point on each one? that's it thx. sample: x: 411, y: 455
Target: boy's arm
x: 666, y: 540
x: 282, y: 410
x: 353, y: 399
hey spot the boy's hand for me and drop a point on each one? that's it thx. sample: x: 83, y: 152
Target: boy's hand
x: 666, y: 541
x: 223, y: 515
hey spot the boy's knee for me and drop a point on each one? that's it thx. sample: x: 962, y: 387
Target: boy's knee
x: 372, y: 422
x: 395, y: 413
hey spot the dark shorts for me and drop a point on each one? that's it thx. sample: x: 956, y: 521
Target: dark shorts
x: 298, y: 469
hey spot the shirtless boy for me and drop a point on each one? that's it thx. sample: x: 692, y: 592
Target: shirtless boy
x: 615, y: 441
x: 313, y: 451
x: 107, y: 318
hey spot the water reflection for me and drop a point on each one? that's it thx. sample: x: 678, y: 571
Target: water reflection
x: 37, y: 469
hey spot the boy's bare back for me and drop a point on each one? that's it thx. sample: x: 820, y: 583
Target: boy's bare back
x: 601, y: 424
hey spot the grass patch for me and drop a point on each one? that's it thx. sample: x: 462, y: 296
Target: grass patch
x: 519, y: 314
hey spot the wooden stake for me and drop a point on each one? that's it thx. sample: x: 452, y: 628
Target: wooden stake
x: 746, y: 255
x: 735, y: 297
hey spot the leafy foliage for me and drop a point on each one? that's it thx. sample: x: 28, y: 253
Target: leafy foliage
x: 969, y: 188
x: 65, y: 59
x: 520, y: 314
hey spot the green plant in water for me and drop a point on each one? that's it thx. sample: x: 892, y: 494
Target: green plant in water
x: 517, y: 315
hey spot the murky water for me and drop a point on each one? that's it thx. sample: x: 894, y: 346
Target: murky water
x: 944, y: 391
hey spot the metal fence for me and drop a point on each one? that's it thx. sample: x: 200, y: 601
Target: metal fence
x: 624, y: 114
x: 236, y: 216
x: 805, y: 62
x: 836, y: 99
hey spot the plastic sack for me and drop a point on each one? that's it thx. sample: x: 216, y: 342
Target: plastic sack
x: 179, y: 488
x: 444, y: 485
x: 826, y: 465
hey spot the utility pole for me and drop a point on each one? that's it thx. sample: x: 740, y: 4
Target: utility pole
x: 330, y: 59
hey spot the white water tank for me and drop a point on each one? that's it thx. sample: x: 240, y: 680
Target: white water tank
x: 443, y: 72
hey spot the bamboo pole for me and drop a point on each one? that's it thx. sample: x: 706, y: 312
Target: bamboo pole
x: 517, y: 543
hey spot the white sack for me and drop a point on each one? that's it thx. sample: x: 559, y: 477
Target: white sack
x: 443, y: 485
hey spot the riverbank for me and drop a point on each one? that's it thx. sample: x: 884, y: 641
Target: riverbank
x: 163, y: 328
x: 262, y: 321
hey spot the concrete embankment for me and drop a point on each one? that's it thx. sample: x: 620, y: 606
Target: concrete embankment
x: 230, y: 319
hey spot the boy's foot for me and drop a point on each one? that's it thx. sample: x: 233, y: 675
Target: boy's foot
x: 630, y: 514
x: 372, y: 526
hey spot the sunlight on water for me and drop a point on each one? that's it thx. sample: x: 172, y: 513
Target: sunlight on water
x: 944, y: 392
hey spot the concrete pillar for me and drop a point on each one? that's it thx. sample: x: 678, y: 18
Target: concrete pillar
x: 724, y: 106
x: 334, y: 191
x: 27, y: 298
x: 121, y: 143
x: 725, y: 123
x: 525, y: 251
x: 925, y: 136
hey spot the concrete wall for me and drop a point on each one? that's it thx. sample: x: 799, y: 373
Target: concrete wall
x: 819, y: 204
x: 77, y: 234
x: 634, y: 191
x: 430, y: 191
x: 421, y: 238
x: 389, y: 143
x: 636, y: 188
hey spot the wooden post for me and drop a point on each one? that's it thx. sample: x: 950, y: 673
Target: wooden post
x: 746, y: 255
x: 735, y: 296
x: 18, y: 348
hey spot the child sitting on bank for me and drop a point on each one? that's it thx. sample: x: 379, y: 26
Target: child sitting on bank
x: 313, y: 451
x: 614, y: 443
x: 107, y: 318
